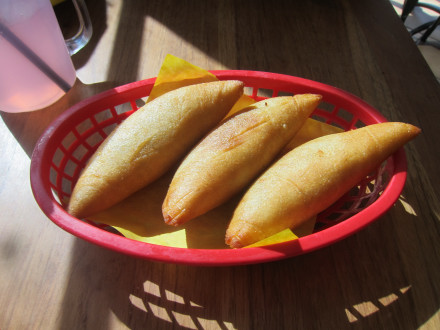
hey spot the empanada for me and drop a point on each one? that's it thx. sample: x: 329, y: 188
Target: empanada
x: 233, y: 154
x: 310, y: 178
x: 149, y: 142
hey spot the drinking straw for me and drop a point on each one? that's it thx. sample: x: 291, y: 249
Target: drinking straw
x: 34, y: 58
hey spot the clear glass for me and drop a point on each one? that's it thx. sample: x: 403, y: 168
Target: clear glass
x: 82, y: 37
x: 35, y: 65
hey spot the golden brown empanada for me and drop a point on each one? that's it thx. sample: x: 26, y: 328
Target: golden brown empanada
x: 310, y: 178
x: 149, y: 142
x: 233, y: 154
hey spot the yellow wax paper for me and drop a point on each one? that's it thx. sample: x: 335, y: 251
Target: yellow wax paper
x: 288, y: 234
x: 139, y: 217
x: 175, y: 73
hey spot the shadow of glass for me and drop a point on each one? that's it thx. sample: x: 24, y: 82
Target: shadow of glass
x: 27, y: 127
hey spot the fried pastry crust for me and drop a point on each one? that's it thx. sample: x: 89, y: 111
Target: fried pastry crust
x: 149, y: 142
x: 310, y: 178
x: 233, y: 155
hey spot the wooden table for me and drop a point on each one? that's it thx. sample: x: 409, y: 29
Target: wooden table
x: 386, y: 276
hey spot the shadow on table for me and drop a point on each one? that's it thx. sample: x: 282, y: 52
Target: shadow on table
x: 342, y: 286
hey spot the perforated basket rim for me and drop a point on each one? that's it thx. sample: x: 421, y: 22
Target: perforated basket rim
x: 46, y: 147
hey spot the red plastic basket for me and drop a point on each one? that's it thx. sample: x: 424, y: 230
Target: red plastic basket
x: 71, y: 139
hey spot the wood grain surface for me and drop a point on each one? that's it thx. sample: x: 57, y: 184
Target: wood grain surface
x: 385, y: 277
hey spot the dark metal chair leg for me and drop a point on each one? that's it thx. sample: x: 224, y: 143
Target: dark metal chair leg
x: 429, y: 27
x: 430, y: 30
x: 421, y: 28
x: 408, y: 7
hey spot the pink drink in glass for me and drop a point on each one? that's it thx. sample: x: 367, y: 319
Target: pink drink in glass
x: 24, y: 86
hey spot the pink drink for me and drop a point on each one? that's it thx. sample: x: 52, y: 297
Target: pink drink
x: 24, y: 85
